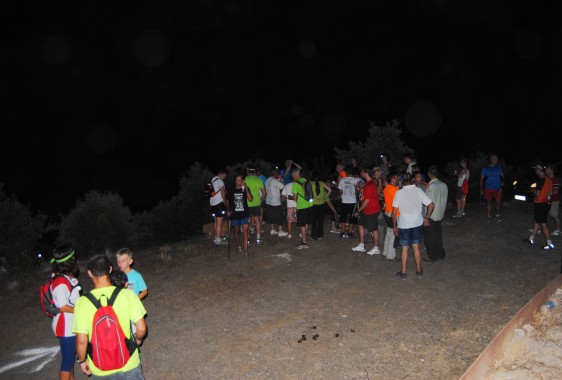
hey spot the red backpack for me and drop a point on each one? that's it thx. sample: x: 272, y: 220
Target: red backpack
x: 109, y: 348
x: 46, y: 293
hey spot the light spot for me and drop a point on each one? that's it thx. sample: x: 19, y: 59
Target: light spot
x: 151, y: 48
x: 423, y: 118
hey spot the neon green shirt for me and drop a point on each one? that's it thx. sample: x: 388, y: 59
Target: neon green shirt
x: 128, y: 308
x: 320, y: 198
x: 302, y: 202
x: 255, y: 184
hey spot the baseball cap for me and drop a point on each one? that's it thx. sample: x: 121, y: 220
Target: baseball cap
x: 539, y: 167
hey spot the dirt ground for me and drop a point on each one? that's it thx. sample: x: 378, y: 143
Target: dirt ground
x: 214, y: 318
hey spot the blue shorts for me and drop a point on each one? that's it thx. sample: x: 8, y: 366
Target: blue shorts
x: 68, y: 352
x: 239, y: 222
x: 409, y: 236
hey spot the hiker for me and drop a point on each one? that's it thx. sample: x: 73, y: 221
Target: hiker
x: 65, y: 291
x: 135, y: 280
x: 218, y: 207
x: 127, y: 308
x: 238, y: 211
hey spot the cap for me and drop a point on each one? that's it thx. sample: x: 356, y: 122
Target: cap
x: 539, y: 167
x: 250, y: 167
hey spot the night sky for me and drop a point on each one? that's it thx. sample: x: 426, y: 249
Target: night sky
x: 112, y: 97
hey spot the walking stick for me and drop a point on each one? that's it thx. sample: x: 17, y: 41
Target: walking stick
x: 229, y: 231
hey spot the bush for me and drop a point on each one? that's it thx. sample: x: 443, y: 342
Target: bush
x: 98, y: 222
x: 381, y: 139
x: 21, y: 232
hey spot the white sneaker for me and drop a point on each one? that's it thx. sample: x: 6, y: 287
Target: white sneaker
x: 289, y: 236
x: 273, y: 232
x: 219, y: 242
x: 556, y: 233
x: 282, y: 234
x: 374, y: 251
x: 359, y: 248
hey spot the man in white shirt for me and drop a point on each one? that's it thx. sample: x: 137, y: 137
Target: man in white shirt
x: 409, y: 226
x: 348, y: 190
x: 217, y: 202
x: 273, y: 187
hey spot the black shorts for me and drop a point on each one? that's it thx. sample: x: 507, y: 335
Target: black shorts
x: 541, y: 212
x: 460, y: 195
x: 304, y: 216
x: 219, y: 210
x: 346, y: 212
x: 255, y: 210
x: 369, y: 222
x: 275, y: 214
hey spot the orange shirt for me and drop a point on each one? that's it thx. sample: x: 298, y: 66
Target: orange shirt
x: 544, y: 191
x: 389, y: 192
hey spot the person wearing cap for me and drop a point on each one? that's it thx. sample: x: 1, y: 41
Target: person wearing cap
x: 541, y: 207
x: 218, y: 205
x: 368, y: 214
x: 257, y: 188
x: 550, y: 171
x: 491, y: 183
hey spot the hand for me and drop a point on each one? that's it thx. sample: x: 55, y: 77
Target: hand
x: 85, y: 368
x: 426, y: 222
x: 395, y: 230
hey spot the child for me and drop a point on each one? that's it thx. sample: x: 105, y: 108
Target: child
x: 119, y: 279
x: 66, y: 291
x: 135, y: 280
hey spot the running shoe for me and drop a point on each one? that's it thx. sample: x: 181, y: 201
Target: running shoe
x: 457, y: 216
x: 374, y: 251
x: 548, y: 247
x: 282, y: 234
x: 302, y: 246
x: 359, y: 248
x: 556, y: 233
x: 419, y: 274
x: 401, y: 275
x: 273, y: 232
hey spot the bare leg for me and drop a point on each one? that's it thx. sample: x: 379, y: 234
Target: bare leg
x: 545, y: 231
x: 361, y: 235
x: 404, y: 257
x: 236, y: 237
x: 376, y: 237
x: 417, y: 256
x: 245, y: 230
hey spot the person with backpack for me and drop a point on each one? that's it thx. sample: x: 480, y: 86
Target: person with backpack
x: 302, y: 195
x: 63, y: 291
x: 217, y: 202
x: 105, y: 345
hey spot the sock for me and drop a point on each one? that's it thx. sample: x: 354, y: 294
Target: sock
x: 531, y: 238
x: 258, y: 236
x: 548, y: 242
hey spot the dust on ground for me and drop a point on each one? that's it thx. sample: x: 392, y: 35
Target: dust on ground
x: 322, y: 313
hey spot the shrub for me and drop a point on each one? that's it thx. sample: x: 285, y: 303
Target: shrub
x: 98, y: 222
x: 21, y: 232
x: 381, y: 139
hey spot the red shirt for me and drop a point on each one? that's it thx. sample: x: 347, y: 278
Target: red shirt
x: 370, y: 192
x: 544, y: 187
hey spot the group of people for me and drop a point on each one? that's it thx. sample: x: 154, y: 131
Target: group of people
x: 75, y: 322
x: 357, y: 198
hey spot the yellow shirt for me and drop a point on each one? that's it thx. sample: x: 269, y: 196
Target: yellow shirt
x: 128, y: 308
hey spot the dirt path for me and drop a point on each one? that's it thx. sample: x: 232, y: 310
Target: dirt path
x: 210, y: 318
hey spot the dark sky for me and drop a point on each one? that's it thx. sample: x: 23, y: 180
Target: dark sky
x: 126, y: 97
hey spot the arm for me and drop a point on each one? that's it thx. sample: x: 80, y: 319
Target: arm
x: 66, y: 309
x: 141, y: 330
x: 81, y: 348
x: 428, y: 213
x: 395, y: 221
x: 143, y: 294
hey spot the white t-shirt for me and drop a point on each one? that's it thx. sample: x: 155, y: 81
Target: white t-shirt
x: 217, y: 185
x: 62, y: 322
x: 288, y: 190
x: 410, y: 200
x: 461, y: 179
x: 273, y: 188
x: 348, y: 190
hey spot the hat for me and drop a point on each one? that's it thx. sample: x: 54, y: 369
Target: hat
x: 250, y: 167
x: 539, y: 167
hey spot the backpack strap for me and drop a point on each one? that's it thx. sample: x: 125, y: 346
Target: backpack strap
x: 110, y: 301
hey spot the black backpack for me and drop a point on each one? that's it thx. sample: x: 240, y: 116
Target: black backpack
x: 209, y: 190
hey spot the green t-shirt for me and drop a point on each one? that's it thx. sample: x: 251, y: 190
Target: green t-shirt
x: 128, y: 308
x: 255, y: 184
x: 320, y: 195
x: 302, y: 202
